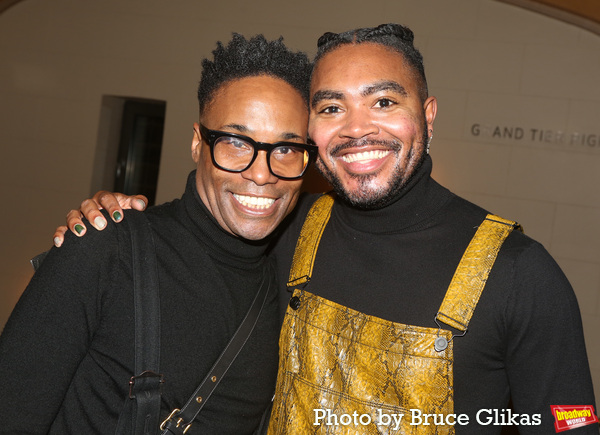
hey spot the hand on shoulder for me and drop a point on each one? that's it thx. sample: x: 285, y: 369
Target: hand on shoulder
x: 113, y: 202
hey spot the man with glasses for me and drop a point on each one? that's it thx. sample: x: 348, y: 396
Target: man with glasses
x: 67, y: 351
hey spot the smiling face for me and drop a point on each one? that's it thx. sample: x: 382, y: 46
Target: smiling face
x: 369, y: 122
x: 252, y: 203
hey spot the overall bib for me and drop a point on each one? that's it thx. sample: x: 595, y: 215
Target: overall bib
x: 345, y: 372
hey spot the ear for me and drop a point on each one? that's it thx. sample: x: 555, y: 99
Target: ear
x: 196, y: 143
x: 430, y: 108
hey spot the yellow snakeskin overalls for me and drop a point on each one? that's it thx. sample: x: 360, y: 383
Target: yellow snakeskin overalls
x: 338, y: 359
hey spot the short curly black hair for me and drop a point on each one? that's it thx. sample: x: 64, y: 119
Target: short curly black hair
x: 253, y: 57
x: 398, y: 38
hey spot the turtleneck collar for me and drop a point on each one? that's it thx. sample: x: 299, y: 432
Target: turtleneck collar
x: 220, y: 244
x: 415, y: 203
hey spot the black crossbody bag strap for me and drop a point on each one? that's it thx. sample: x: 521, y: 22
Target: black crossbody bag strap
x: 141, y: 412
x: 180, y: 420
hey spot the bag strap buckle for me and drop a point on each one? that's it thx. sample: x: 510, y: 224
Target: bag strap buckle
x: 177, y: 424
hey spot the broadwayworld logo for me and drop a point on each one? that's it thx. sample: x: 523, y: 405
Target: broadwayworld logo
x: 568, y: 417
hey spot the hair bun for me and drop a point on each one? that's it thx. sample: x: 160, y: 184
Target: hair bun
x: 393, y: 29
x: 326, y: 37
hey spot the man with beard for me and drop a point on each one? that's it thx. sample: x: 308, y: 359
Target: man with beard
x: 67, y: 352
x: 406, y: 299
x: 394, y: 279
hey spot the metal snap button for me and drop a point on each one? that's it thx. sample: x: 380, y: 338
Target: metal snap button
x: 295, y: 303
x: 440, y: 344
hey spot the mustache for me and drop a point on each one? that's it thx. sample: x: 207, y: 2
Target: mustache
x: 393, y: 145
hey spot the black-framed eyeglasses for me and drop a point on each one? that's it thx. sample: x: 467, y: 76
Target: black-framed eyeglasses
x: 235, y: 153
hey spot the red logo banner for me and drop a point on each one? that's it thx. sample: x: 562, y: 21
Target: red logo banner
x: 568, y: 417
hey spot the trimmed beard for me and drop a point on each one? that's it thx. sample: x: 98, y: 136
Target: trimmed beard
x: 367, y: 196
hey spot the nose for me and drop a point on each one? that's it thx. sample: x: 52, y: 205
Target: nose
x: 259, y: 172
x: 358, y: 123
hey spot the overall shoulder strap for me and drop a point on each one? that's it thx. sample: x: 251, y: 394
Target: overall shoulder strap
x: 141, y: 414
x: 308, y: 241
x: 473, y: 271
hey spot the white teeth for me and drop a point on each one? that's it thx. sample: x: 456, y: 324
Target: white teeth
x: 367, y: 155
x: 257, y: 202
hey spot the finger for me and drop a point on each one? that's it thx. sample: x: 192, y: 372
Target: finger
x: 75, y: 223
x: 139, y: 202
x: 59, y: 235
x: 108, y: 201
x: 135, y: 202
x: 90, y: 210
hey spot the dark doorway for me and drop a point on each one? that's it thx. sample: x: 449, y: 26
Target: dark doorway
x: 140, y: 144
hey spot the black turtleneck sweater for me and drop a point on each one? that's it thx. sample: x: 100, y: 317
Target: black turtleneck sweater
x: 66, y: 353
x: 525, y: 338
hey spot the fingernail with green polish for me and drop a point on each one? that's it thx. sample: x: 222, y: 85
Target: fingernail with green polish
x: 142, y: 203
x: 79, y: 228
x: 117, y: 216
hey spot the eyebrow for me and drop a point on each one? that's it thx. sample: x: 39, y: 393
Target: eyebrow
x: 242, y: 129
x: 238, y: 127
x: 325, y: 95
x: 386, y: 85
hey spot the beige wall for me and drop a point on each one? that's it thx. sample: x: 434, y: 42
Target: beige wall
x: 489, y: 63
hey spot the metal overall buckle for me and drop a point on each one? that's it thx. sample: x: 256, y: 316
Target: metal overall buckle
x: 441, y: 343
